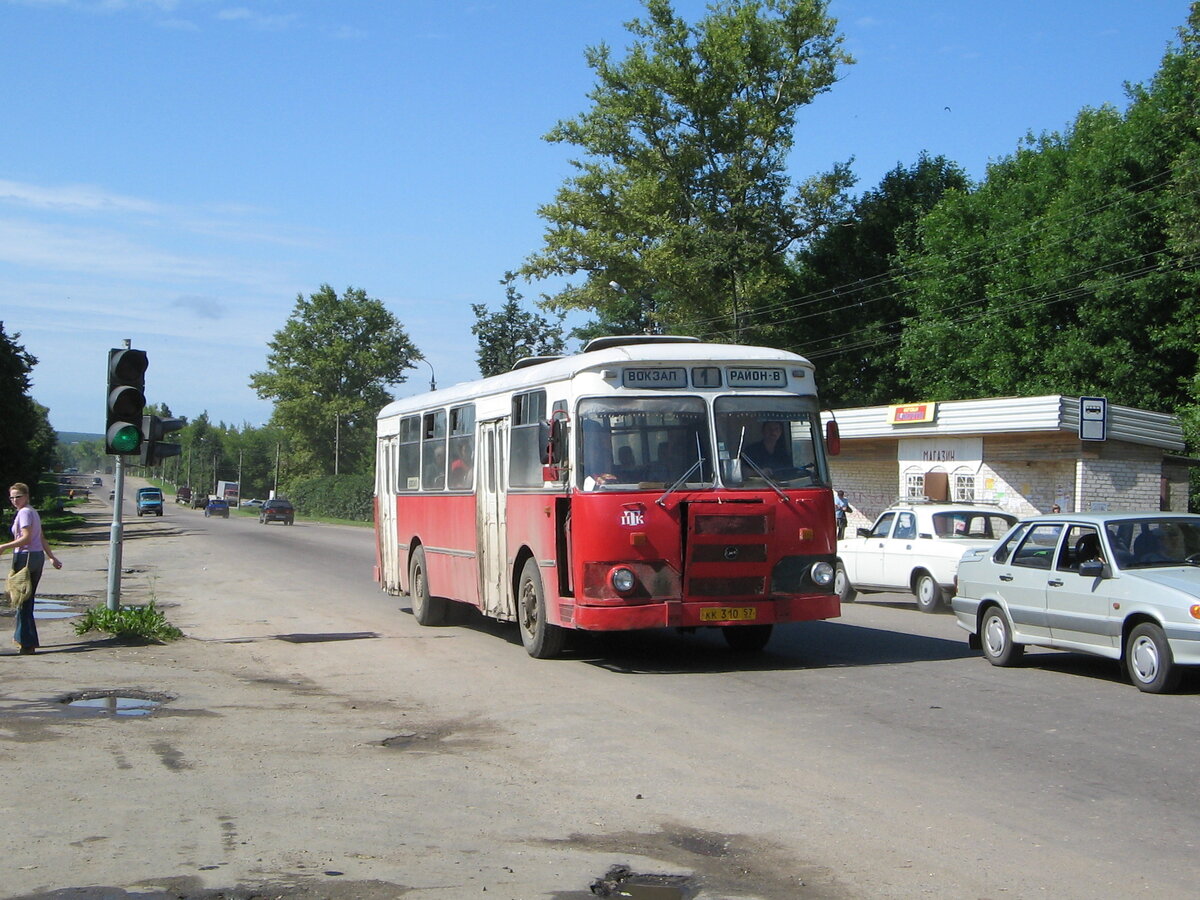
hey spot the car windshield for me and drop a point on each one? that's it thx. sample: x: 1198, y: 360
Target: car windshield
x: 971, y: 525
x: 1155, y: 541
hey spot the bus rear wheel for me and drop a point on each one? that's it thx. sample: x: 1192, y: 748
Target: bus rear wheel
x: 541, y: 639
x: 427, y: 610
x: 746, y: 638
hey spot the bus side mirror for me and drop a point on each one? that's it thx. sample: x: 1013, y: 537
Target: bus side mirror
x: 833, y: 438
x: 554, y: 448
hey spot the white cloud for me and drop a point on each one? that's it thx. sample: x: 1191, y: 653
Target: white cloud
x: 71, y: 198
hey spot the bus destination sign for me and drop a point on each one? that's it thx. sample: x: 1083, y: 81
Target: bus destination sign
x: 757, y: 378
x: 654, y: 378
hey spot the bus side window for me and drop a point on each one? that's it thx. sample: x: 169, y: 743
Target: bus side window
x: 433, y: 451
x: 462, y: 447
x: 525, y: 439
x: 408, y: 457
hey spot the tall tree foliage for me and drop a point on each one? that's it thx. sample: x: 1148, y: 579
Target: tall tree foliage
x: 328, y: 373
x: 513, y: 333
x: 1069, y: 269
x: 848, y: 308
x: 682, y: 196
x: 26, y: 439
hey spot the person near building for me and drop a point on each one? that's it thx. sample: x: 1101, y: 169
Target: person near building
x: 841, y: 510
x: 29, y: 551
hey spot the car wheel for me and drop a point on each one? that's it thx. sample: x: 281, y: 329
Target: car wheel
x: 427, y: 609
x: 929, y: 594
x: 1149, y: 661
x: 842, y: 586
x: 746, y: 638
x: 995, y: 636
x: 541, y: 639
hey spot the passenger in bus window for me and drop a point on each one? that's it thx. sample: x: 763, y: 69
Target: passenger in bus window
x: 597, y: 455
x: 772, y: 453
x: 461, y: 465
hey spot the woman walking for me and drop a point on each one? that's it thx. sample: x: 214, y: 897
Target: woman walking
x: 29, y: 551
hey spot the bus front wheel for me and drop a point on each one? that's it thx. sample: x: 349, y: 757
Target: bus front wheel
x: 541, y: 639
x: 427, y: 610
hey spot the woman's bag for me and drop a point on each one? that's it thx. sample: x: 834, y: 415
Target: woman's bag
x: 19, y: 587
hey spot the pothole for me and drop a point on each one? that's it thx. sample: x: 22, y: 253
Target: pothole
x: 621, y: 881
x: 121, y: 702
x: 53, y: 609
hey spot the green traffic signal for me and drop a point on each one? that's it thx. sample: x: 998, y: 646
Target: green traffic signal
x: 123, y: 437
x: 126, y: 398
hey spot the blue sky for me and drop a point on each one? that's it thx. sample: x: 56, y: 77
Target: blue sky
x: 176, y: 172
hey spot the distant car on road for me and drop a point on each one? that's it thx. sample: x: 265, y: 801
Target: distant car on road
x: 277, y: 511
x: 1121, y: 585
x: 915, y: 547
x: 97, y: 481
x: 217, y: 507
x: 149, y: 502
x: 257, y: 504
x: 199, y: 501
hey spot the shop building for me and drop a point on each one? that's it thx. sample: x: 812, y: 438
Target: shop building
x: 1024, y: 454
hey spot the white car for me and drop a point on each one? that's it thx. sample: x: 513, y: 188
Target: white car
x: 915, y: 547
x: 1121, y: 585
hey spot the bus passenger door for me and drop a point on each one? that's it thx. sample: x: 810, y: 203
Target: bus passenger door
x: 489, y: 519
x: 385, y: 499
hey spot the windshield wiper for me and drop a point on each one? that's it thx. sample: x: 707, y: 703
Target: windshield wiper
x: 767, y: 478
x: 680, y: 480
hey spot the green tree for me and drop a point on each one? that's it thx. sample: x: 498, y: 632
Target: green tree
x: 849, y: 308
x: 26, y: 440
x: 328, y: 373
x: 513, y: 333
x: 682, y: 196
x: 1069, y: 269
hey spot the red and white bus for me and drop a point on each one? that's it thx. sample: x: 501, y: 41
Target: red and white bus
x: 647, y: 482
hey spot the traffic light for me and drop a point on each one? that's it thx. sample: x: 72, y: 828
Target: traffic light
x: 154, y: 429
x: 126, y: 398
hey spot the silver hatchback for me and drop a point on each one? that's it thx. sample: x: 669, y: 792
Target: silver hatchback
x: 1125, y: 586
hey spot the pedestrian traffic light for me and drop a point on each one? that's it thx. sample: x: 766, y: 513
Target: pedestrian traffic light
x: 126, y: 398
x: 154, y: 429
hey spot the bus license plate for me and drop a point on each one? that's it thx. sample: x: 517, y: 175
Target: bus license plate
x: 728, y: 614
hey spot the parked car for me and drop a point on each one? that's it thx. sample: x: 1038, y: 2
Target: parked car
x: 217, y: 507
x: 1123, y: 585
x: 199, y: 501
x: 277, y: 511
x: 915, y: 547
x: 257, y: 504
x: 149, y: 502
x: 183, y: 495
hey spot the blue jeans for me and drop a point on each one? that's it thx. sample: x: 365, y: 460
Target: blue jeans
x: 25, y: 633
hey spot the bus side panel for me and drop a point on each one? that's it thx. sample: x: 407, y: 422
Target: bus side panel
x: 531, y: 526
x: 444, y: 526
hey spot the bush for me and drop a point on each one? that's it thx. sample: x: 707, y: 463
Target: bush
x: 336, y: 497
x: 143, y: 623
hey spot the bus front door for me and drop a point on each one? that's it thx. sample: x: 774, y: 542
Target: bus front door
x: 490, y: 521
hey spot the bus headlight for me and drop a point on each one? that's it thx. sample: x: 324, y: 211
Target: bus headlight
x: 622, y: 579
x: 822, y: 574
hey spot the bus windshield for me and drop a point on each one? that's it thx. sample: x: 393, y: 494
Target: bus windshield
x: 770, y: 440
x: 638, y: 441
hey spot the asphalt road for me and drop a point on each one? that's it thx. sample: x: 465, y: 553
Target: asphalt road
x: 314, y: 741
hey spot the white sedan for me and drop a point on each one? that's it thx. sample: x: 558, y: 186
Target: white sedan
x: 915, y: 547
x: 1124, y: 586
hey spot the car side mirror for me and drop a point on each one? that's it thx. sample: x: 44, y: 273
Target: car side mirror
x: 1093, y: 568
x: 864, y: 532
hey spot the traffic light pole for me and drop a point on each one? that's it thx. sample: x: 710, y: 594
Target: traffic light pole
x: 115, y: 536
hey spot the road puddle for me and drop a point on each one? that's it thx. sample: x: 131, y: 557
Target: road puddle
x: 116, y: 703
x: 52, y: 609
